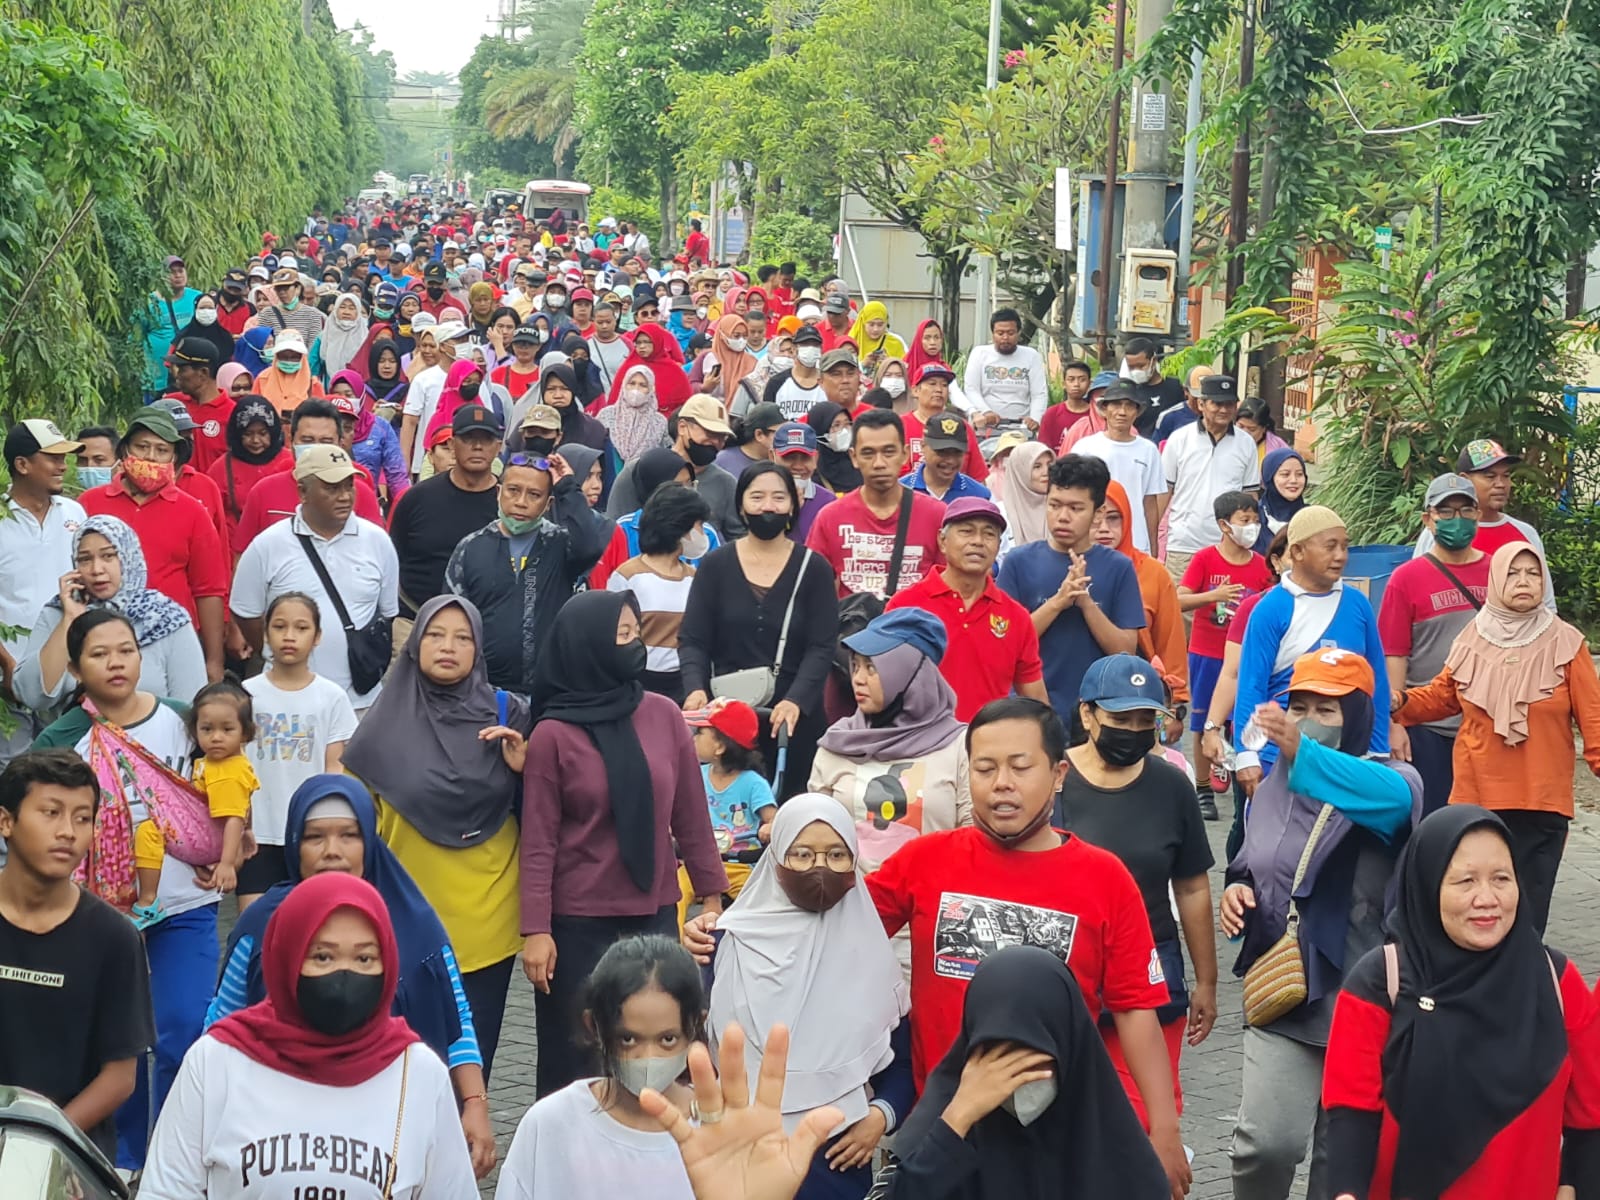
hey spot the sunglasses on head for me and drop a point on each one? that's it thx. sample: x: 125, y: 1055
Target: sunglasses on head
x: 528, y: 460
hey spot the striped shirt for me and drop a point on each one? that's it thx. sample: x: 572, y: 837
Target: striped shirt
x: 661, y: 605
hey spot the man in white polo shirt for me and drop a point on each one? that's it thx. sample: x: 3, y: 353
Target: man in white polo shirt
x: 1203, y: 460
x: 35, y: 539
x: 359, y: 558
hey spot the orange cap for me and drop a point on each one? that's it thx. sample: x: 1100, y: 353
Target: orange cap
x: 1332, y: 672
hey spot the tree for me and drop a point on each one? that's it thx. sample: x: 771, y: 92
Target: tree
x: 540, y: 99
x: 477, y: 149
x: 638, y: 58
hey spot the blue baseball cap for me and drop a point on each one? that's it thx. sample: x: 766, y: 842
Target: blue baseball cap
x: 387, y: 295
x: 1124, y: 683
x: 795, y: 437
x: 901, y: 627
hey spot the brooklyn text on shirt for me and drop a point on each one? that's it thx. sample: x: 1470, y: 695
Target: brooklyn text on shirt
x: 971, y: 928
x: 325, y: 1153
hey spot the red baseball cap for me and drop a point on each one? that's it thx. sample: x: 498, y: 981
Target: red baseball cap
x: 733, y: 719
x: 348, y: 406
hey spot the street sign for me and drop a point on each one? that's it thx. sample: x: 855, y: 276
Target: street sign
x: 1063, y: 209
x: 1383, y: 236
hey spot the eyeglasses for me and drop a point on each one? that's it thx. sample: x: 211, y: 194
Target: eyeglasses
x: 528, y: 460
x: 1464, y: 510
x: 803, y: 858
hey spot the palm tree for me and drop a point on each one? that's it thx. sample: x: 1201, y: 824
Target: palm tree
x: 536, y: 100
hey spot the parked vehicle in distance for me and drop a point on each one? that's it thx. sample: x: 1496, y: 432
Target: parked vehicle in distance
x: 541, y: 197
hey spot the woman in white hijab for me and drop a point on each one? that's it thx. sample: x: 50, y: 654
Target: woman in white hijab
x: 804, y: 946
x: 343, y: 335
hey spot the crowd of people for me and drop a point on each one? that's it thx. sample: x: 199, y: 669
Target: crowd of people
x: 476, y: 592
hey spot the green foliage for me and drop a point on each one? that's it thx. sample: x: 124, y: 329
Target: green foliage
x: 539, y: 99
x: 479, y: 151
x: 625, y: 206
x: 792, y: 237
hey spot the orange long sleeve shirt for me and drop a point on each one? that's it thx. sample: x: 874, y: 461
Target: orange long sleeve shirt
x: 1535, y: 774
x: 1163, y: 634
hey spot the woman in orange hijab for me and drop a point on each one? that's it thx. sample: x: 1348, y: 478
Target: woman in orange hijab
x: 732, y: 361
x: 1162, y: 639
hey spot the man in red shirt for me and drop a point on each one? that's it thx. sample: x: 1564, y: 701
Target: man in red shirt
x: 233, y: 310
x: 436, y: 301
x: 194, y: 365
x: 202, y: 487
x: 697, y: 244
x: 930, y: 393
x: 883, y: 536
x: 315, y: 422
x: 1012, y: 879
x: 836, y: 321
x: 992, y: 648
x: 182, y: 551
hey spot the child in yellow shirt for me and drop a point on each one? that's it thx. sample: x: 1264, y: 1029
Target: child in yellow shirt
x: 220, y: 722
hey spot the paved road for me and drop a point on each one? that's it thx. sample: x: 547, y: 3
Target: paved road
x: 1210, y: 1073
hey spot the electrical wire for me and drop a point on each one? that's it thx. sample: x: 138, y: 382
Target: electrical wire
x: 1475, y: 119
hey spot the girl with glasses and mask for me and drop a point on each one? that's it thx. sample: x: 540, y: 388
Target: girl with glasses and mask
x: 803, y: 946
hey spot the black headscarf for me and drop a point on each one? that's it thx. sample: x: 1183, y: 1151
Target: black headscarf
x: 1088, y: 1142
x: 386, y: 391
x: 584, y: 678
x: 1493, y: 1037
x: 247, y: 410
x: 589, y: 387
x: 214, y: 333
x: 655, y: 467
x: 834, y: 466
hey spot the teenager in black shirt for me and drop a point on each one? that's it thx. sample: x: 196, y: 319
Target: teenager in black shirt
x: 74, y: 987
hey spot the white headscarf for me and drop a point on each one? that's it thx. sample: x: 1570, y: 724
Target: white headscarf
x: 339, y: 346
x: 832, y: 977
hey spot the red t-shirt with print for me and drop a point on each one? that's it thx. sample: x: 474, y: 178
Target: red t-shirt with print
x: 858, y: 544
x: 1208, y: 570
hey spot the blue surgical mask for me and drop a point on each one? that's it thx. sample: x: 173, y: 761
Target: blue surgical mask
x: 93, y: 477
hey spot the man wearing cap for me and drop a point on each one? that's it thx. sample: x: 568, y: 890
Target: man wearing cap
x: 433, y: 516
x: 798, y: 388
x: 521, y: 567
x: 1141, y: 367
x: 289, y: 310
x: 841, y: 379
x: 883, y: 536
x: 1188, y: 412
x: 436, y: 301
x: 183, y: 554
x: 756, y: 430
x: 992, y: 649
x: 1005, y: 380
x: 202, y: 487
x: 36, y: 540
x: 539, y: 434
x: 314, y: 422
x: 233, y: 310
x: 930, y: 396
x: 1201, y: 461
x: 835, y: 327
x: 1426, y: 603
x: 194, y: 367
x: 1133, y: 461
x: 699, y: 430
x: 169, y: 309
x: 1310, y: 609
x: 945, y: 444
x: 1488, y: 465
x: 422, y: 397
x: 794, y: 447
x: 356, y: 555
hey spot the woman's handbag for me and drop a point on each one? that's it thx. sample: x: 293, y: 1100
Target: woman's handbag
x: 756, y: 686
x: 1275, y: 983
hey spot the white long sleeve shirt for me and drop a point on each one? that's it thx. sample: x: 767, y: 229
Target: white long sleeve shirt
x: 1010, y: 385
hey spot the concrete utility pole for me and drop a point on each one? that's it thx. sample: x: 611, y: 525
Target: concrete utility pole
x: 985, y: 261
x: 1149, y: 135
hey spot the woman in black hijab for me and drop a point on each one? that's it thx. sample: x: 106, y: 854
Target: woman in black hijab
x: 255, y: 450
x: 204, y: 325
x: 617, y: 801
x: 559, y: 388
x: 576, y: 348
x: 1460, y: 1063
x: 835, y: 468
x: 1026, y: 1105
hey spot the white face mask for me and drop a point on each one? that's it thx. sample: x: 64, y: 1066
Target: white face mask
x: 695, y: 544
x: 809, y: 356
x: 1245, y: 535
x: 807, y: 487
x: 894, y: 385
x: 1141, y: 376
x: 840, y: 439
x: 555, y: 300
x: 780, y: 362
x: 636, y: 396
x: 205, y: 316
x: 346, y: 322
x: 701, y: 312
x: 737, y: 345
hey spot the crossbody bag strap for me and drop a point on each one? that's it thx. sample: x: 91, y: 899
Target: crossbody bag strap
x: 788, y: 613
x: 321, y: 568
x: 1305, y: 861
x: 1391, y: 975
x: 399, y: 1122
x: 902, y: 531
x: 1477, y: 605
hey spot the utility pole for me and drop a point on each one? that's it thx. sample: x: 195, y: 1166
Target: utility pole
x: 1108, y: 205
x: 1239, y: 181
x: 986, y: 261
x: 1191, y: 175
x: 1149, y: 134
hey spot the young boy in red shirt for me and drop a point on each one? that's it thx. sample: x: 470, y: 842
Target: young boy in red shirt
x: 1216, y: 580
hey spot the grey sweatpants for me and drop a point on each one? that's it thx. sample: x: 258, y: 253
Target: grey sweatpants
x: 1280, y: 1110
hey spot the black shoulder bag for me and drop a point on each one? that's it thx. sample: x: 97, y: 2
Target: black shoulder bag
x: 901, y: 533
x: 368, y: 649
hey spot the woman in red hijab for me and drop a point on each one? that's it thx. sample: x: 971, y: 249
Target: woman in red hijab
x: 461, y: 387
x: 657, y: 350
x: 926, y: 347
x: 318, y: 1080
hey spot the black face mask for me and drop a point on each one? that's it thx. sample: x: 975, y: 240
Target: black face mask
x: 434, y: 290
x: 339, y: 1002
x: 1124, y: 747
x: 540, y: 446
x: 631, y: 658
x: 702, y: 454
x: 469, y: 391
x: 765, y: 526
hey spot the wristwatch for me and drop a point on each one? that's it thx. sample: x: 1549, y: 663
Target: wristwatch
x: 1211, y: 726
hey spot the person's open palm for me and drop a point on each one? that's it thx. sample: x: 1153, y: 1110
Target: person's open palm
x: 739, y: 1150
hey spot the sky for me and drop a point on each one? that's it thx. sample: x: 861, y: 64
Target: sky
x: 423, y: 35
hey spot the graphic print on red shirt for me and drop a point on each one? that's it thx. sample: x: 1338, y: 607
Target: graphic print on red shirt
x: 1208, y: 570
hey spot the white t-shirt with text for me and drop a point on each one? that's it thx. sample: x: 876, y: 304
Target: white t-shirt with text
x: 293, y: 732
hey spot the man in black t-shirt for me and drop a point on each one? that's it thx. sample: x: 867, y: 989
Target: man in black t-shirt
x: 1142, y: 368
x: 74, y: 985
